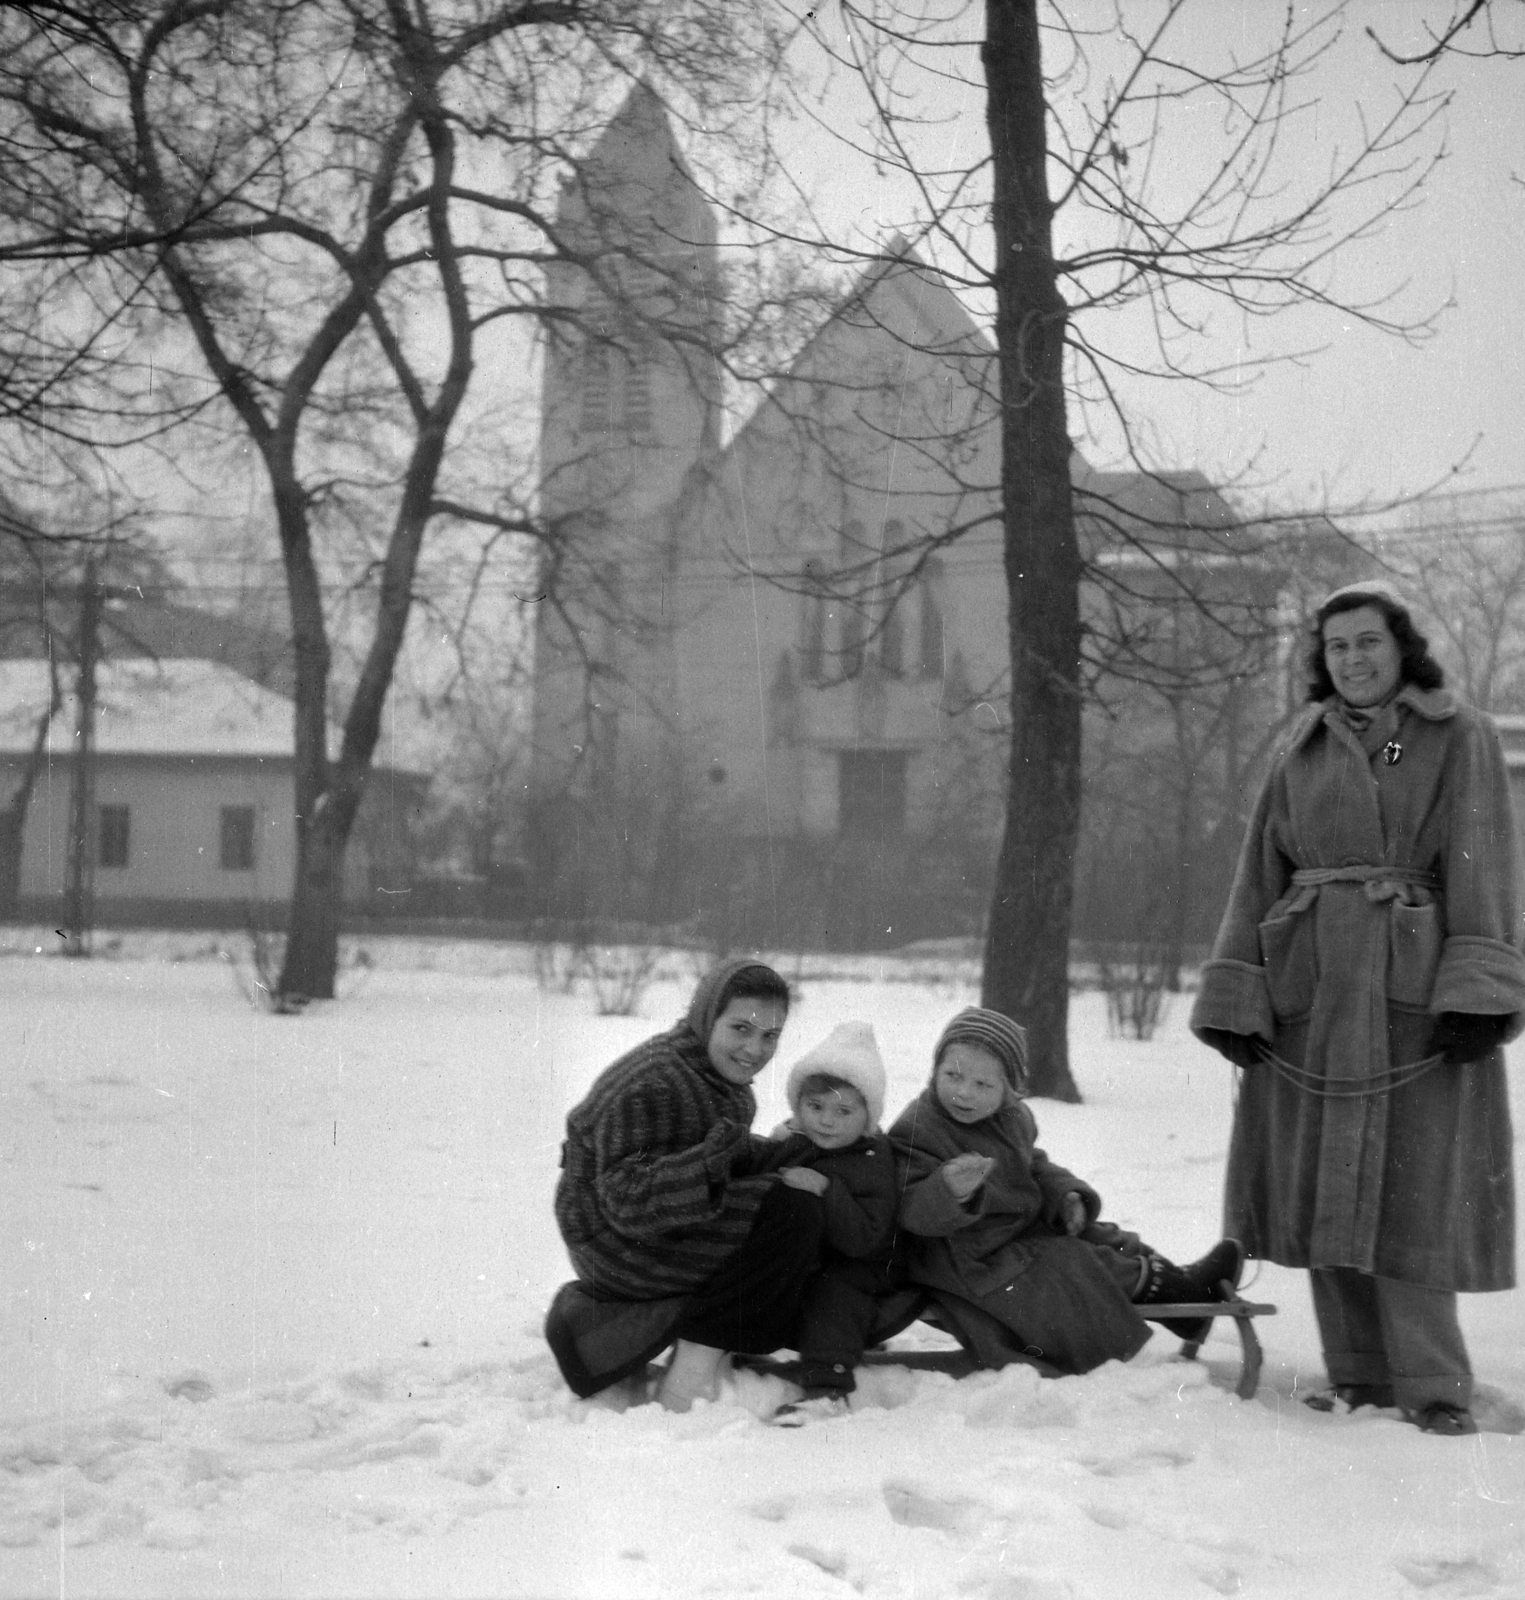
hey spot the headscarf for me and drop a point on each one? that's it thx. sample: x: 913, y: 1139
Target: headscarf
x: 718, y: 987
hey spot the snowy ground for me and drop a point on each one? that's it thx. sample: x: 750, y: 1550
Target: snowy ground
x: 272, y: 1294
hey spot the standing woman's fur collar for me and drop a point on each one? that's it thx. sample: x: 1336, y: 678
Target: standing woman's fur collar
x: 1434, y: 705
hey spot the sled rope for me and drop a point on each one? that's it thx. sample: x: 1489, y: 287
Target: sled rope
x: 1352, y: 1088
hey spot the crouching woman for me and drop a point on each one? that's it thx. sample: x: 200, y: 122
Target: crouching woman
x: 676, y: 1230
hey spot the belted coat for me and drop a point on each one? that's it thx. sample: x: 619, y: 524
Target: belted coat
x: 1377, y: 888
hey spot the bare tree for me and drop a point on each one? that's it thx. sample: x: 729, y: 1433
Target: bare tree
x: 1463, y: 558
x: 1140, y: 189
x: 63, y: 581
x: 309, y: 221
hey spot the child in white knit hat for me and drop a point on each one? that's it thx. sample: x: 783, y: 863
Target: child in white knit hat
x: 833, y: 1147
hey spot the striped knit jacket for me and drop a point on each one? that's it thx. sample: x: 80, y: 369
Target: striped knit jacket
x: 659, y: 1182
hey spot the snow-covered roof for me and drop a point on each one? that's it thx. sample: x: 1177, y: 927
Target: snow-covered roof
x: 170, y: 707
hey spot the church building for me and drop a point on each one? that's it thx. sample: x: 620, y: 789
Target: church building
x: 771, y: 672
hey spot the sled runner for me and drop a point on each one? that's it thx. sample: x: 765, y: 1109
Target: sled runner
x: 964, y: 1322
x: 1242, y: 1311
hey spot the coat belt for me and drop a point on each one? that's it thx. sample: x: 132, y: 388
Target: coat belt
x: 1381, y: 883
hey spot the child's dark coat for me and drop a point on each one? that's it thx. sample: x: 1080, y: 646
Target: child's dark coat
x: 858, y: 1259
x: 1005, y: 1251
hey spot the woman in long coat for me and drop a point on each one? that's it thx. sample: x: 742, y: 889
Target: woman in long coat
x: 675, y: 1224
x: 1366, y: 974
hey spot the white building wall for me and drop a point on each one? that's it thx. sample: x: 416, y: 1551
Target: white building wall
x: 174, y: 830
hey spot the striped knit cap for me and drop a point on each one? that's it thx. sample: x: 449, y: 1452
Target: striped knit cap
x: 1003, y: 1038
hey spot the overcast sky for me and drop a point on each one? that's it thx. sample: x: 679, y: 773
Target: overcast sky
x: 1368, y: 416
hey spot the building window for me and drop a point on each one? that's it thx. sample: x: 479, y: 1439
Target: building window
x: 892, y: 628
x: 113, y: 836
x: 813, y: 624
x: 871, y: 793
x: 637, y: 362
x: 931, y: 651
x: 595, y: 386
x: 237, y: 844
x: 857, y: 579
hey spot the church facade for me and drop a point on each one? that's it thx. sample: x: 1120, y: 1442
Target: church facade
x: 771, y: 672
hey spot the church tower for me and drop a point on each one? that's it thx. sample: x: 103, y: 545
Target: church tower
x: 630, y: 398
x: 630, y: 412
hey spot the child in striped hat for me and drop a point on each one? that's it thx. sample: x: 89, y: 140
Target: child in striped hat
x: 1009, y: 1242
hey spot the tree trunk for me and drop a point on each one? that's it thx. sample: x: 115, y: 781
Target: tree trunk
x: 311, y: 961
x: 1026, y: 972
x: 14, y: 813
x: 79, y: 873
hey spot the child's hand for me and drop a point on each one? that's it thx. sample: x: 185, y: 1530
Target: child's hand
x: 806, y: 1178
x: 964, y: 1174
x: 1073, y: 1210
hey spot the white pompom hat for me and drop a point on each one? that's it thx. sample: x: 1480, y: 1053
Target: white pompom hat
x: 848, y: 1052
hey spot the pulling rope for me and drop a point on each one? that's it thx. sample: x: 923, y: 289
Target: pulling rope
x: 1352, y: 1088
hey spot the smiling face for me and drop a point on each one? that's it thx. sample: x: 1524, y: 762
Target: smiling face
x: 969, y: 1083
x: 832, y: 1119
x: 1362, y: 656
x: 745, y: 1036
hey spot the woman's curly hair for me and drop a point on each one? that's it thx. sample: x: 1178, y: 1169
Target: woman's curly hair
x: 1415, y: 663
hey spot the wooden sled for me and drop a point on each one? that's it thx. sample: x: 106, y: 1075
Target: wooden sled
x: 1242, y: 1311
x: 912, y: 1305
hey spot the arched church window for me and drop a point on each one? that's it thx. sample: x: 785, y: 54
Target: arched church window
x: 892, y: 628
x: 596, y: 364
x: 813, y: 623
x: 637, y: 386
x: 855, y: 578
x: 931, y: 642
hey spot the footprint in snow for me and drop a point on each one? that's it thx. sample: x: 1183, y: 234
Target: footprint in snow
x: 1496, y: 1411
x: 1439, y: 1576
x: 913, y: 1507
x: 190, y: 1386
x: 831, y: 1562
x: 1140, y: 1461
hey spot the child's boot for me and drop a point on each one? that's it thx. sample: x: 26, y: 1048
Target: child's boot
x: 1166, y: 1283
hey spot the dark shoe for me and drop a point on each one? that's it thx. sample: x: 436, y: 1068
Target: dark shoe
x: 1442, y: 1417
x: 1224, y: 1263
x: 1352, y: 1396
x: 1202, y: 1280
x: 816, y: 1377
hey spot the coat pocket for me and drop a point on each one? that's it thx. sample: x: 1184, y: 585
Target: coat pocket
x: 1415, y: 936
x: 1289, y: 952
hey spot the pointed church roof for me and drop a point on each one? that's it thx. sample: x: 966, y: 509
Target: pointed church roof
x: 922, y: 290
x: 635, y: 178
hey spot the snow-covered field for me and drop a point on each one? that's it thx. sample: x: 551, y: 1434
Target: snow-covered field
x: 273, y: 1288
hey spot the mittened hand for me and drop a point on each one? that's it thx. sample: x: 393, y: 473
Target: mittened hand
x: 1073, y: 1211
x: 806, y: 1178
x: 1462, y: 1036
x: 964, y: 1174
x: 723, y: 1143
x: 1243, y: 1049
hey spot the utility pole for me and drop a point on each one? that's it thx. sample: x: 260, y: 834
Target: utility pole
x: 79, y: 891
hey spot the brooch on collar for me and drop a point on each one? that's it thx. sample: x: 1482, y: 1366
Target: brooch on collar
x: 1392, y: 753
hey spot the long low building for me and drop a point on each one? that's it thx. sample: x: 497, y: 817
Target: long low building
x: 193, y: 817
